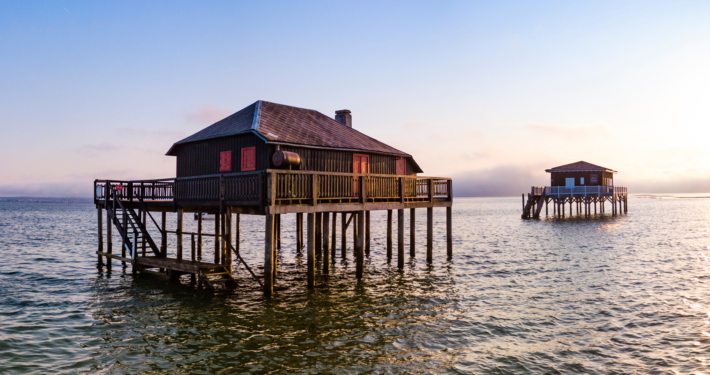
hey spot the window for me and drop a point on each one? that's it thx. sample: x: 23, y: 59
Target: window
x: 593, y: 178
x: 581, y: 180
x: 225, y: 161
x: 248, y: 159
x: 401, y: 166
x: 361, y: 163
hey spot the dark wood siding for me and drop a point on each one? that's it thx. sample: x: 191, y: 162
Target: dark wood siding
x: 202, y: 157
x: 323, y: 160
x: 558, y: 178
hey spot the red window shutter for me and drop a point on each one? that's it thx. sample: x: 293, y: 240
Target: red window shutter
x: 248, y: 159
x: 225, y: 161
x: 401, y: 166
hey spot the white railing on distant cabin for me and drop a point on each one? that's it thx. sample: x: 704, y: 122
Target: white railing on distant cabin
x: 579, y: 190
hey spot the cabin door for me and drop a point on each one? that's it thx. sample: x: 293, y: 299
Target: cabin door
x: 569, y: 182
x: 361, y: 164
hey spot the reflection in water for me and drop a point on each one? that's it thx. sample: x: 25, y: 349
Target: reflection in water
x: 597, y: 295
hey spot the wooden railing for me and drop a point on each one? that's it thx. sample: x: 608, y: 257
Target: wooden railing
x: 279, y: 187
x: 554, y: 191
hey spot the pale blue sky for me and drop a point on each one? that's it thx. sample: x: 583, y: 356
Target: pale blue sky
x: 489, y: 93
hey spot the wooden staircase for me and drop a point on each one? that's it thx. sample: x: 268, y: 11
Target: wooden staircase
x: 129, y: 225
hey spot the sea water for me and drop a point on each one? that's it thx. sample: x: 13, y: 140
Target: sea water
x: 624, y: 294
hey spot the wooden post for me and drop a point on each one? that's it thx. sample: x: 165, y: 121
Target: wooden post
x: 412, y: 230
x: 359, y: 256
x: 278, y: 231
x: 299, y: 232
x: 101, y: 232
x: 326, y: 244
x: 356, y: 229
x: 333, y: 238
x: 319, y: 232
x: 449, y: 237
x: 523, y: 197
x: 124, y: 228
x: 223, y: 242
x: 367, y: 233
x: 429, y: 234
x: 400, y: 238
x: 216, y: 237
x: 238, y: 233
x: 389, y: 234
x: 145, y: 225
x: 311, y: 249
x: 228, y: 247
x: 192, y: 254
x: 546, y: 212
x: 269, y: 254
x: 179, y: 233
x: 343, y: 235
x: 109, y: 237
x: 164, y: 234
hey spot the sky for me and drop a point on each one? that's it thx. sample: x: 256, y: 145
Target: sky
x: 489, y: 93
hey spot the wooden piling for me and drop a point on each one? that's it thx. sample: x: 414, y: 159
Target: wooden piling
x: 123, y: 241
x: 179, y: 232
x: 278, y: 231
x: 412, y: 231
x: 333, y: 237
x: 367, y: 233
x: 109, y: 238
x: 429, y: 234
x: 143, y: 240
x: 228, y: 235
x: 164, y: 234
x: 269, y: 254
x: 400, y: 238
x: 216, y: 237
x: 237, y: 233
x: 353, y: 217
x: 359, y: 253
x: 101, y: 232
x: 449, y: 237
x: 319, y: 233
x: 343, y: 235
x: 389, y: 234
x: 311, y: 249
x: 299, y: 232
x: 326, y: 243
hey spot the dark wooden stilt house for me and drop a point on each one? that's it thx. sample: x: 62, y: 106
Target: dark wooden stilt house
x: 583, y: 185
x: 271, y: 159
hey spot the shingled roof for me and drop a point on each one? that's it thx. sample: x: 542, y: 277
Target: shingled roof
x: 580, y: 166
x: 282, y: 124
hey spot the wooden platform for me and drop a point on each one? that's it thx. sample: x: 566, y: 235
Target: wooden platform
x: 180, y: 265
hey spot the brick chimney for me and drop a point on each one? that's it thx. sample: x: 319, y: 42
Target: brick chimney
x: 343, y: 116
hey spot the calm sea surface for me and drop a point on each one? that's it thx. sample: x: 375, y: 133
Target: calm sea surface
x: 628, y: 294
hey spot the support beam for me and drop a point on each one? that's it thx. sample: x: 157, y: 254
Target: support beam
x: 449, y: 237
x: 389, y: 234
x: 269, y: 254
x: 429, y: 234
x: 333, y: 237
x: 216, y: 238
x: 278, y: 231
x: 228, y: 237
x: 311, y: 249
x: 343, y: 235
x: 359, y: 252
x: 412, y: 231
x: 100, y: 221
x: 319, y: 233
x: 238, y: 233
x: 367, y: 233
x: 164, y: 234
x: 326, y: 243
x: 179, y: 233
x: 109, y: 237
x: 400, y: 239
x: 299, y: 232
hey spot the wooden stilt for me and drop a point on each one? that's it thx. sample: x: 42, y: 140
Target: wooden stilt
x: 179, y: 232
x: 389, y: 234
x: 109, y: 238
x: 333, y: 237
x: 164, y: 234
x: 412, y: 231
x: 400, y: 239
x: 311, y: 249
x: 269, y: 254
x: 237, y: 233
x: 100, y: 221
x: 449, y: 237
x: 216, y: 238
x: 278, y: 231
x: 359, y: 253
x: 326, y: 242
x: 228, y: 237
x: 192, y: 254
x: 343, y: 235
x: 123, y: 241
x: 143, y: 240
x: 222, y: 232
x: 546, y: 213
x: 319, y: 233
x: 353, y: 217
x: 299, y: 232
x: 429, y: 234
x: 367, y: 233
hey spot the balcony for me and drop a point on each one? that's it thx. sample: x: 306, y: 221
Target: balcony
x: 579, y: 191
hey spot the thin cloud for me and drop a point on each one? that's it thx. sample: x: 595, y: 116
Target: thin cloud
x: 207, y: 115
x: 567, y: 131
